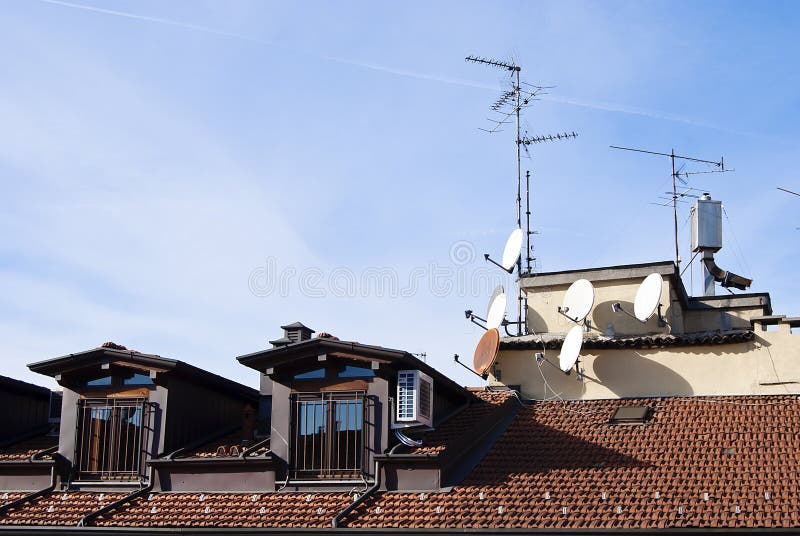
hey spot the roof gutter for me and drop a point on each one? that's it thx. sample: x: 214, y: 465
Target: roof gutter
x: 241, y: 531
x: 336, y: 522
x: 36, y: 458
x: 85, y: 520
x: 31, y: 496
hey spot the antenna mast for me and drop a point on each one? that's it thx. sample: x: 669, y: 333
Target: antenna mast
x: 676, y: 177
x: 520, y: 99
x: 498, y: 106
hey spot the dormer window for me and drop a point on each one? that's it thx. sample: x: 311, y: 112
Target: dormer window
x: 111, y: 439
x: 117, y: 377
x: 327, y: 440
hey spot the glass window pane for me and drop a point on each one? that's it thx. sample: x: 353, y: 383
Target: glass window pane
x: 351, y: 371
x: 138, y: 378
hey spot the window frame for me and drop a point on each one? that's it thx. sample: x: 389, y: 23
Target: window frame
x: 106, y: 451
x: 324, y: 463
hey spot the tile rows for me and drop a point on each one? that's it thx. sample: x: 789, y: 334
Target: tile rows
x: 697, y: 462
x: 294, y: 510
x: 485, y: 403
x: 650, y: 341
x: 23, y: 450
x: 702, y: 462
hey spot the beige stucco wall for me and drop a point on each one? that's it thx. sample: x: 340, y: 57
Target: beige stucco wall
x: 768, y: 365
x: 543, y: 315
x: 543, y: 304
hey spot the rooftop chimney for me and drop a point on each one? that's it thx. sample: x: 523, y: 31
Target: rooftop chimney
x: 706, y: 217
x: 293, y: 333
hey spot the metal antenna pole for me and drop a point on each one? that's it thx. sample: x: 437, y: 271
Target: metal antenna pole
x: 676, y: 176
x: 524, y: 319
x: 675, y: 208
x: 518, y: 89
x: 501, y: 106
x: 528, y: 257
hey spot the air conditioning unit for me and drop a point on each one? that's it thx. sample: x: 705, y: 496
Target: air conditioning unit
x: 414, y: 398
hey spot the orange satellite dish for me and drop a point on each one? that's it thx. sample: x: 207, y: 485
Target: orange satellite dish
x: 486, y: 351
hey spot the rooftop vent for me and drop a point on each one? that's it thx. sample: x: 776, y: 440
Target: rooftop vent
x: 630, y: 415
x: 295, y: 332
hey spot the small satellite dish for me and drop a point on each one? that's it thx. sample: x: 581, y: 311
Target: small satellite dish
x: 647, y: 297
x: 578, y: 300
x: 513, y: 249
x: 486, y: 351
x: 497, y: 308
x: 571, y: 348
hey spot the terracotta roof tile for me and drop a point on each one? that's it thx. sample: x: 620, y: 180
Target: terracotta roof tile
x: 231, y: 445
x: 7, y: 497
x: 705, y: 338
x: 293, y: 510
x: 458, y: 426
x: 23, y: 450
x: 564, y: 455
x: 58, y: 508
x: 558, y: 465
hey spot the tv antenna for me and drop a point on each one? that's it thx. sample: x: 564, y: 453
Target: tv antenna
x: 788, y: 191
x: 508, y: 108
x: 680, y: 176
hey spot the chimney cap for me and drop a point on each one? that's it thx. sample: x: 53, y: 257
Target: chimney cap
x: 297, y: 325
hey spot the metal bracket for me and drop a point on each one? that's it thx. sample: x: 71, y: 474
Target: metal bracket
x: 488, y: 258
x: 617, y: 308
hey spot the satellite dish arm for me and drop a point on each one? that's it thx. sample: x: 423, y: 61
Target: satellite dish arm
x: 563, y: 312
x: 481, y: 376
x: 490, y: 259
x: 617, y: 308
x: 472, y: 317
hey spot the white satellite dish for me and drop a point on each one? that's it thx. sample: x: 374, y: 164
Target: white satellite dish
x: 571, y: 348
x: 647, y: 297
x: 578, y: 300
x: 513, y: 249
x: 497, y: 308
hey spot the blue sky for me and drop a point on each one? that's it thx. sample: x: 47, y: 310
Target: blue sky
x: 184, y: 177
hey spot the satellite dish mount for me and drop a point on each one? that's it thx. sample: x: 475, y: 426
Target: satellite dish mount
x: 647, y: 301
x: 578, y: 302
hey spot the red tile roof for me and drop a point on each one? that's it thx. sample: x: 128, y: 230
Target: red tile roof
x: 58, y: 508
x: 293, y: 510
x: 558, y: 465
x: 455, y: 428
x: 23, y: 450
x: 6, y: 498
x: 564, y: 455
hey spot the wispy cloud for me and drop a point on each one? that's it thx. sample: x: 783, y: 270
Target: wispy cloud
x: 583, y: 103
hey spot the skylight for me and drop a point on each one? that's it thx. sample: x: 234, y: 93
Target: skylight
x: 630, y: 415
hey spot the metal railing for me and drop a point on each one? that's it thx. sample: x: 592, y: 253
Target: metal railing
x: 328, y: 435
x: 111, y: 439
